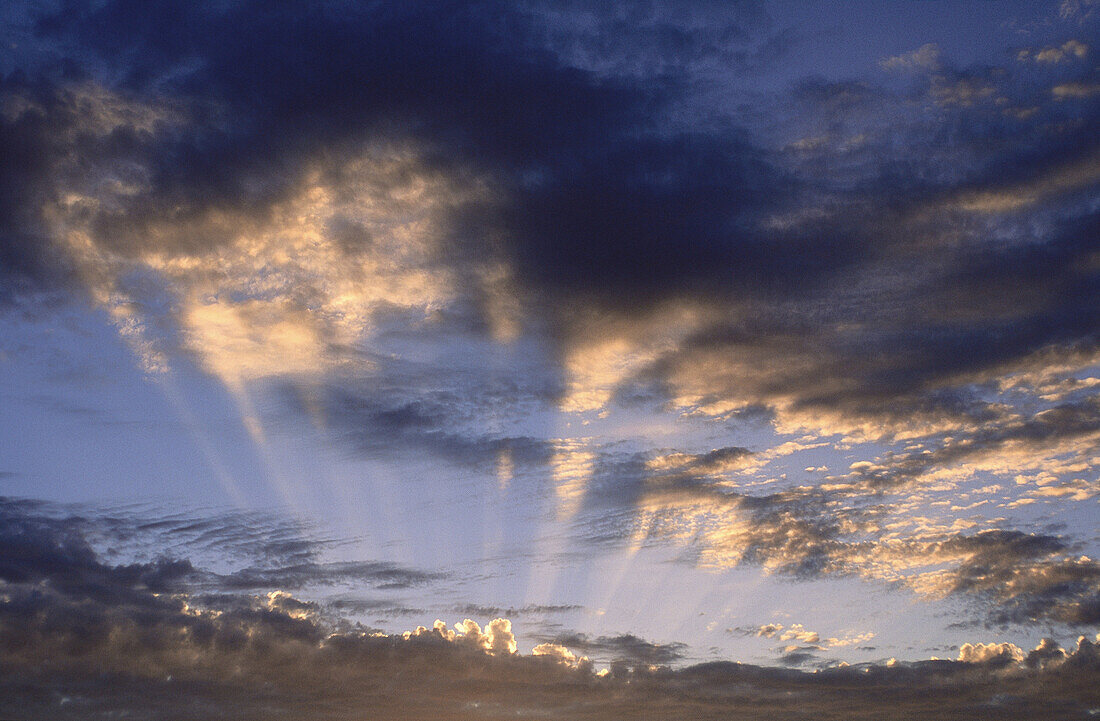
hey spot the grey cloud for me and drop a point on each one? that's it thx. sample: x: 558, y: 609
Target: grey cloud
x: 648, y: 40
x: 1047, y: 652
x: 715, y: 460
x: 377, y: 607
x: 284, y: 665
x: 44, y: 542
x: 798, y: 657
x: 625, y: 649
x: 380, y: 574
x: 514, y: 612
x: 931, y: 304
x: 414, y: 409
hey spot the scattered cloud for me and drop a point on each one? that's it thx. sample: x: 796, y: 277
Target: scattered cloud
x: 927, y: 57
x: 798, y: 632
x: 1071, y: 90
x: 1069, y: 51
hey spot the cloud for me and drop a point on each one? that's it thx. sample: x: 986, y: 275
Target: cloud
x: 560, y: 654
x: 450, y: 232
x: 1079, y: 10
x: 843, y: 529
x: 1047, y: 652
x: 68, y: 620
x: 994, y: 654
x: 219, y: 175
x: 927, y: 56
x: 1072, y: 90
x: 381, y: 574
x: 644, y: 40
x: 497, y: 639
x: 446, y: 174
x: 1068, y: 51
x: 623, y: 649
x: 798, y: 632
x: 1009, y: 447
x: 527, y: 610
x: 795, y: 656
x: 266, y: 552
x: 439, y: 415
x: 714, y: 461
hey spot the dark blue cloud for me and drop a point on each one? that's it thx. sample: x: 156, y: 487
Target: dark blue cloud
x: 616, y: 184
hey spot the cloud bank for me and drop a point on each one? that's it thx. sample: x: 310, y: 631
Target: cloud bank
x: 82, y: 638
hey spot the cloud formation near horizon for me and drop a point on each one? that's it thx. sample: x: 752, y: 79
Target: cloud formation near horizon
x: 69, y: 621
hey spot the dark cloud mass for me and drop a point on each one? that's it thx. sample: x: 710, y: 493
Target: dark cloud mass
x: 601, y: 193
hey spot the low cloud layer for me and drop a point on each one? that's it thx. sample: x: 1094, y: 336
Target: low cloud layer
x: 69, y: 621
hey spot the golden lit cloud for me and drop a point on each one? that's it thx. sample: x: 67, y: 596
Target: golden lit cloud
x: 1067, y: 178
x: 497, y: 639
x: 287, y: 293
x: 253, y: 339
x: 985, y: 652
x: 607, y: 351
x: 558, y: 653
x: 297, y: 287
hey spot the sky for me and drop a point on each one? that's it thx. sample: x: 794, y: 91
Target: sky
x: 565, y: 360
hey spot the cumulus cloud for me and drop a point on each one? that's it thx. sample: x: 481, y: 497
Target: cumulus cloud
x: 497, y: 639
x: 560, y: 654
x: 1048, y: 654
x: 990, y: 653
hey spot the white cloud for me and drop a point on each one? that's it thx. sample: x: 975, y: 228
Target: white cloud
x: 497, y: 639
x: 985, y: 652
